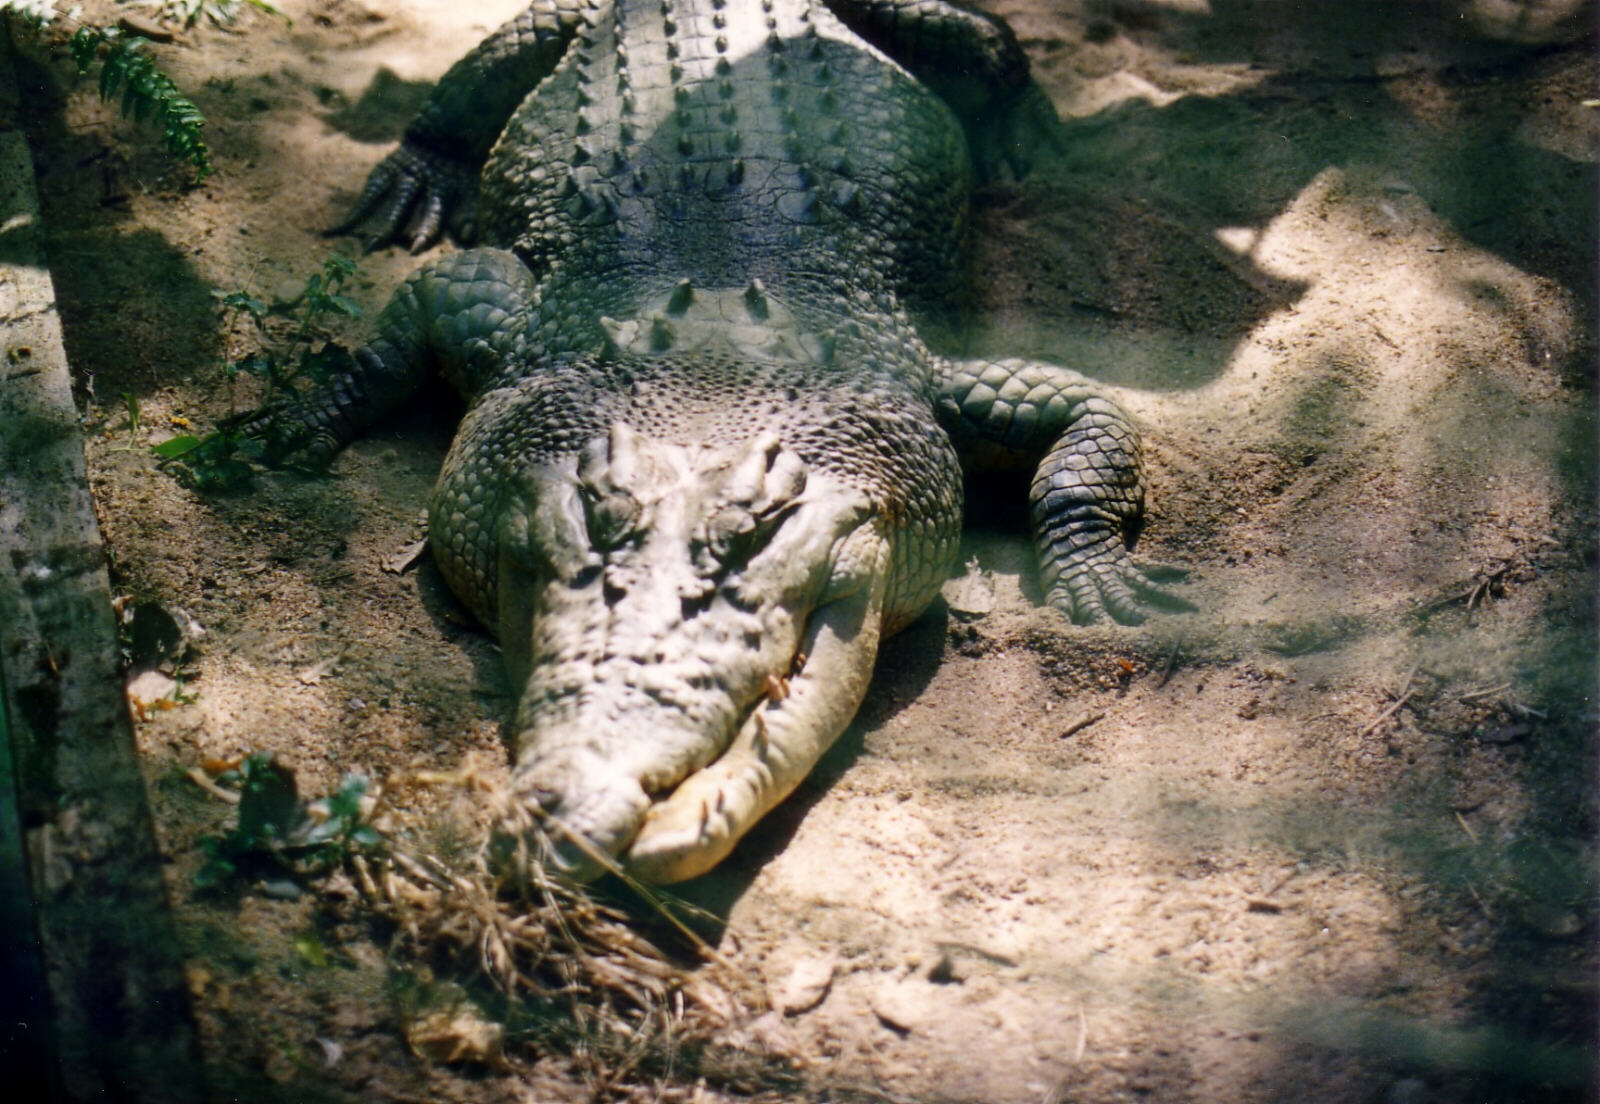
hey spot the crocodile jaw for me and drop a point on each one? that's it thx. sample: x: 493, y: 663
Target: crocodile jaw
x: 654, y: 601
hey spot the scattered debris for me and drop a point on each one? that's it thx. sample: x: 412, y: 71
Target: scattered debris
x: 314, y: 674
x: 971, y: 596
x: 332, y: 1052
x: 1504, y: 733
x: 899, y: 1006
x: 806, y: 986
x: 151, y: 692
x: 460, y: 1036
x: 406, y: 558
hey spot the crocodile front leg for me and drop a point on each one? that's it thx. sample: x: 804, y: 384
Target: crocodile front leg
x: 428, y: 179
x: 462, y: 314
x: 1087, y: 496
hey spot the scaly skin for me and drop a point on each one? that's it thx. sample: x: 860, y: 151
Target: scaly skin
x: 708, y: 464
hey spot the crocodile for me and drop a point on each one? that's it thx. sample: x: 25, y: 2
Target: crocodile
x: 707, y: 462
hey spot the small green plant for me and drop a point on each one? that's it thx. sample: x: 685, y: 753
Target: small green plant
x: 130, y: 401
x: 279, y: 833
x: 220, y: 461
x: 284, y: 367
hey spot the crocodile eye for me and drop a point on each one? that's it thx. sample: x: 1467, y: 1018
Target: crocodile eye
x: 611, y: 518
x: 730, y: 534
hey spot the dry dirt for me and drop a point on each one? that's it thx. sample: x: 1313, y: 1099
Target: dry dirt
x: 1330, y: 838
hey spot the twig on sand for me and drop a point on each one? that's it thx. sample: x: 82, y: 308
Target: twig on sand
x: 1080, y: 724
x: 1402, y: 696
x: 1168, y: 667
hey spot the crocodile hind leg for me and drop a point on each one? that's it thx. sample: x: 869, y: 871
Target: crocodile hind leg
x: 1087, y: 495
x: 967, y: 57
x: 429, y: 179
x: 463, y: 314
x: 975, y: 64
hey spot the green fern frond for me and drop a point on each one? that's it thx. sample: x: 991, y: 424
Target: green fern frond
x: 220, y: 12
x: 146, y: 90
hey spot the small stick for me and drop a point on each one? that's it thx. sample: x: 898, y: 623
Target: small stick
x: 1083, y: 1035
x: 203, y: 780
x: 1488, y: 692
x: 1079, y: 725
x: 1283, y: 881
x: 1404, y: 693
x: 1465, y: 827
x: 1385, y: 715
x: 1168, y: 667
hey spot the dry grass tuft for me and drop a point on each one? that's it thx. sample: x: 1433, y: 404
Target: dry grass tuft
x: 573, y: 973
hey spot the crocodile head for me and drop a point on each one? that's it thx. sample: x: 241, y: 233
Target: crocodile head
x: 679, y: 613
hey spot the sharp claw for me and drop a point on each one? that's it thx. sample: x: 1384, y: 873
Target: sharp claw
x: 391, y: 197
x: 432, y: 221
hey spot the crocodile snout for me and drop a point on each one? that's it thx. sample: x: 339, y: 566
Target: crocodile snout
x: 587, y: 810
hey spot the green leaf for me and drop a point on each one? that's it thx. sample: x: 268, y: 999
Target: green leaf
x: 347, y: 802
x: 339, y: 269
x: 243, y: 301
x: 174, y: 447
x: 263, y: 6
x: 324, y: 832
x: 213, y: 873
x: 257, y: 364
x: 311, y: 951
x: 269, y: 803
x: 343, y: 304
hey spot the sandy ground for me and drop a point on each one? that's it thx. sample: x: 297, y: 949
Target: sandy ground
x: 1330, y: 838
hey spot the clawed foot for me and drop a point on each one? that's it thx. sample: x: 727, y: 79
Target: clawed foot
x: 416, y: 195
x: 275, y: 436
x: 1108, y: 584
